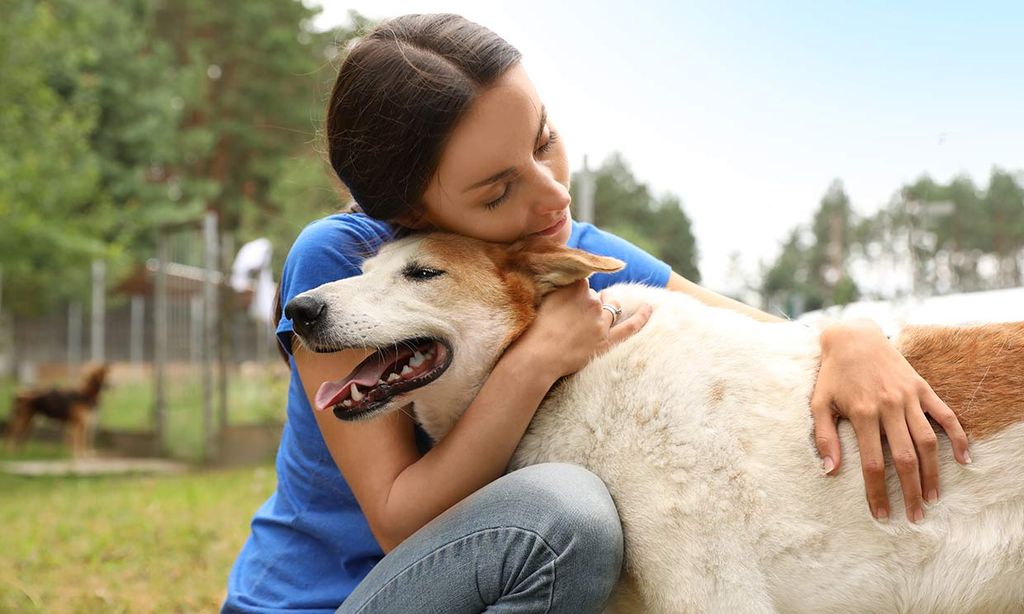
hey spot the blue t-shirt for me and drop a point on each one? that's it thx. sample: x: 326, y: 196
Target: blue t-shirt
x: 310, y: 544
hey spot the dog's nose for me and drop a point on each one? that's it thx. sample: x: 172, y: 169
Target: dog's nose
x: 304, y: 311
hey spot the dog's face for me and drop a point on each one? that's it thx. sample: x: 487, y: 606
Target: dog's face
x: 437, y: 310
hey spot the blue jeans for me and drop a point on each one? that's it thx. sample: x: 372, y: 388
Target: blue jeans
x: 544, y: 539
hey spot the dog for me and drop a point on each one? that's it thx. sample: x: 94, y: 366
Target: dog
x: 701, y: 429
x: 74, y: 408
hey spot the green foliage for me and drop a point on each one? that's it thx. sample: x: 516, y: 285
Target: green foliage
x: 949, y: 229
x: 49, y: 175
x: 626, y: 207
x: 812, y: 273
x: 117, y: 116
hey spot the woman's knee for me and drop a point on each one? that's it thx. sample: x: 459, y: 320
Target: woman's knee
x: 571, y: 508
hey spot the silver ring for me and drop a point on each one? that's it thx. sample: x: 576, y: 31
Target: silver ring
x: 612, y: 309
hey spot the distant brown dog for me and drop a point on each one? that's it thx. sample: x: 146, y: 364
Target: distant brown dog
x: 76, y: 408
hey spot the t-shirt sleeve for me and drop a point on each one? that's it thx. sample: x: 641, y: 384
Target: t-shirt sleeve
x: 641, y: 267
x: 327, y: 250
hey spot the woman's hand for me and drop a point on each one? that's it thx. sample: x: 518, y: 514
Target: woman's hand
x: 865, y: 379
x: 571, y: 327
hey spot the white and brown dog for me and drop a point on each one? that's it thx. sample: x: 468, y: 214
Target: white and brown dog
x: 700, y: 426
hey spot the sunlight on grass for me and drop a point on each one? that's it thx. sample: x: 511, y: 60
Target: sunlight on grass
x: 135, y: 544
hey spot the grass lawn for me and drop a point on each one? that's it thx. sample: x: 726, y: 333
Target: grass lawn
x: 127, y: 544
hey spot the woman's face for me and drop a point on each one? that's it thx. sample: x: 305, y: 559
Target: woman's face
x: 503, y: 174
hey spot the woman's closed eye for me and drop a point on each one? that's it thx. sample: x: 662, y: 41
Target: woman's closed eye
x: 546, y: 147
x: 493, y: 204
x: 540, y: 151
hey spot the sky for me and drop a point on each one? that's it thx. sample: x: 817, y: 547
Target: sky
x: 747, y: 110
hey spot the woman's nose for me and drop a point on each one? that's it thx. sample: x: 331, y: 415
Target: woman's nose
x: 551, y: 194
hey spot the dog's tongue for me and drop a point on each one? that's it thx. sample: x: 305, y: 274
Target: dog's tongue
x: 365, y: 375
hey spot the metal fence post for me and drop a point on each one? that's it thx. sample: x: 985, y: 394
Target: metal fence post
x: 210, y: 321
x: 136, y: 329
x: 160, y: 342
x: 74, y: 336
x: 98, y: 331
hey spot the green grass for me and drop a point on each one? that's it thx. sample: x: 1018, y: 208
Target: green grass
x: 130, y: 544
x: 127, y: 405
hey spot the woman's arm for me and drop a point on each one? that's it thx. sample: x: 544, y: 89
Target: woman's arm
x: 398, y: 490
x: 678, y: 283
x: 865, y: 379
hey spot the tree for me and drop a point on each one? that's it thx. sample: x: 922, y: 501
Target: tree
x: 814, y: 273
x: 255, y: 76
x: 945, y: 231
x: 49, y: 175
x: 625, y: 206
x: 118, y: 116
x: 1004, y: 207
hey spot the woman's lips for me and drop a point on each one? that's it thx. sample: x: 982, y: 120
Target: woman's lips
x: 552, y: 229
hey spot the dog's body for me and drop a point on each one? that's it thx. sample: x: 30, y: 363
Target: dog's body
x: 700, y: 426
x: 75, y: 408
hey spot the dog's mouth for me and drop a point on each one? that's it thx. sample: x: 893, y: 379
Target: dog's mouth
x: 389, y: 372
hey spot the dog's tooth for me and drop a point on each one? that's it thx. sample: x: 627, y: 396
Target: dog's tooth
x: 416, y: 360
x: 356, y: 395
x: 347, y: 403
x: 406, y: 371
x: 380, y: 381
x: 394, y: 377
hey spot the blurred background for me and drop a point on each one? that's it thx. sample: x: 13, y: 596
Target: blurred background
x: 158, y: 157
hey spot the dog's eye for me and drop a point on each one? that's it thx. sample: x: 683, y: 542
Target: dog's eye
x: 418, y: 273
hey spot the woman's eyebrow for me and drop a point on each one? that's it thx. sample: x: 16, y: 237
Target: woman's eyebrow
x: 510, y: 172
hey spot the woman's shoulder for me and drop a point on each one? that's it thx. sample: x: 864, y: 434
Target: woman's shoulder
x: 351, y: 232
x: 331, y: 248
x: 641, y: 267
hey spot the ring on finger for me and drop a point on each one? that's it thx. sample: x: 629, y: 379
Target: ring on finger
x: 612, y: 309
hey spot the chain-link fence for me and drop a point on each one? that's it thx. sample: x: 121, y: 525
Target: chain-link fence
x: 194, y: 371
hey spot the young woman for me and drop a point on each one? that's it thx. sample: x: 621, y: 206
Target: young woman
x: 433, y: 123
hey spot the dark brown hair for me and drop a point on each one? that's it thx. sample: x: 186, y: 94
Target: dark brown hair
x: 399, y: 93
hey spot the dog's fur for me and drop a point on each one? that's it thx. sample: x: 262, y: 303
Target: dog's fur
x: 700, y: 426
x: 75, y: 408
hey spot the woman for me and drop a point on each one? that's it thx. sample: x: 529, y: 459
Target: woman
x: 433, y: 123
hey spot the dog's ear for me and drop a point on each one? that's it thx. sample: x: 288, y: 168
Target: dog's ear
x: 552, y: 266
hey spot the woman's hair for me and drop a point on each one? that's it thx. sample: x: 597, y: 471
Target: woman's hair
x: 399, y: 93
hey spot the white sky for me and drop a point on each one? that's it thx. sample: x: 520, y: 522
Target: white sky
x: 748, y: 111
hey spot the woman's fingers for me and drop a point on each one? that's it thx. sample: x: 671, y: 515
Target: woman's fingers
x: 872, y: 463
x: 937, y: 409
x: 608, y: 315
x: 826, y: 437
x: 927, y: 451
x: 904, y: 457
x: 627, y: 327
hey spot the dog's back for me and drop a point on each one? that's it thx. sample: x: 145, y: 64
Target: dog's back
x: 55, y: 403
x: 700, y: 426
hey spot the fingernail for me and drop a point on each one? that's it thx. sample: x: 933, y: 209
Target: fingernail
x: 933, y: 496
x: 881, y: 514
x: 967, y: 457
x: 916, y: 515
x: 827, y: 464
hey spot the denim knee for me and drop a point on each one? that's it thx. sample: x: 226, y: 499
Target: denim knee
x: 571, y: 509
